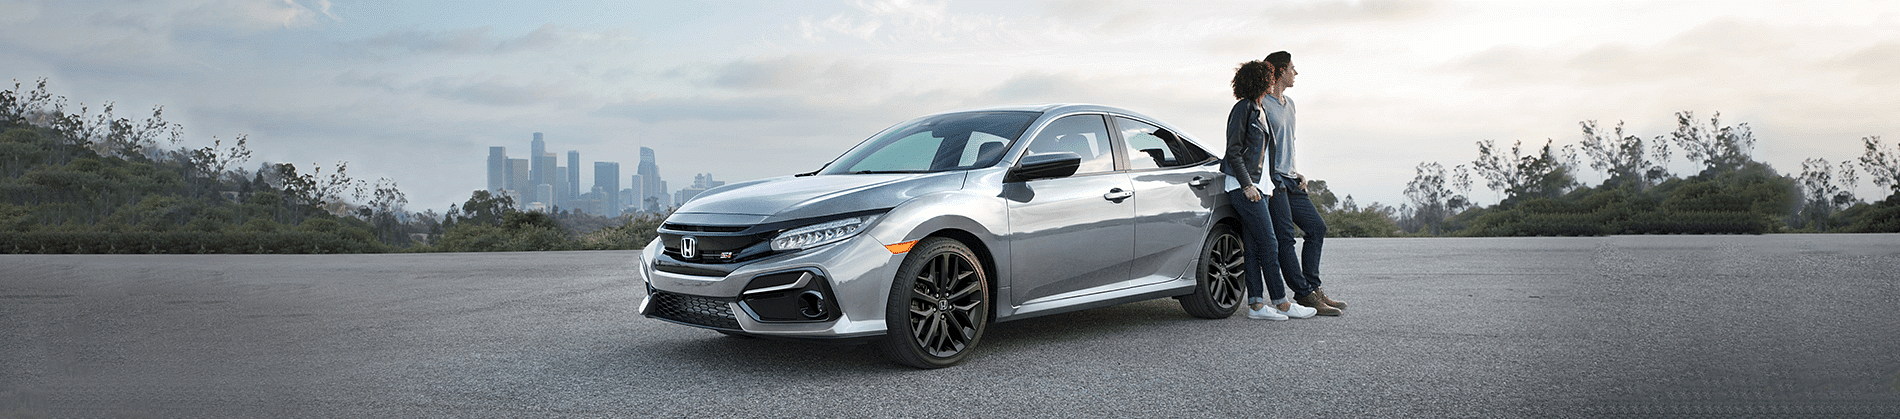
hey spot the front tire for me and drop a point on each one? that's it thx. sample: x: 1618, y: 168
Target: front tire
x: 939, y: 306
x: 1217, y: 286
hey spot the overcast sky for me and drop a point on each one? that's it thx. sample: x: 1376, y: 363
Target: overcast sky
x: 417, y: 91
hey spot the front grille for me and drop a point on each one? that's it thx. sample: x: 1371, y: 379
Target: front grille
x: 694, y: 310
x: 701, y: 228
x: 713, y: 248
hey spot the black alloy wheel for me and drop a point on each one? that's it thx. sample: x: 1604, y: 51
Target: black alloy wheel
x: 1217, y: 289
x: 939, y: 305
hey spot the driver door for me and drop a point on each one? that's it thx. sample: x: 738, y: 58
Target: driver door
x: 1072, y: 233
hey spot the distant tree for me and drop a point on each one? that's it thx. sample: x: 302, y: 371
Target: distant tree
x: 385, y: 212
x: 1716, y: 147
x: 1881, y: 165
x: 1823, y: 195
x: 1432, y: 200
x: 1322, y: 196
x: 1520, y: 176
x: 1350, y: 220
x: 25, y: 107
x: 484, y: 208
x: 210, y: 164
x: 298, y: 189
x: 1623, y: 158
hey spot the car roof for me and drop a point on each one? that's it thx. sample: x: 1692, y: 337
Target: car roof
x: 1067, y: 108
x: 1048, y: 107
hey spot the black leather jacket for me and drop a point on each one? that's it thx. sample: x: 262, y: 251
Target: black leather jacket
x: 1246, y: 144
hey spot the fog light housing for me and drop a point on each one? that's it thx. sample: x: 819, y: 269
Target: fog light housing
x: 799, y: 296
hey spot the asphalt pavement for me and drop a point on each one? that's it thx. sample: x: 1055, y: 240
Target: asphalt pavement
x: 1622, y: 326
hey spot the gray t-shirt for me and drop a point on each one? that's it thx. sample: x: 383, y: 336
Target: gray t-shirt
x: 1280, y: 127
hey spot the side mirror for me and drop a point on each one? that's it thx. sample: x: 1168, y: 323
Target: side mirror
x: 1047, y: 165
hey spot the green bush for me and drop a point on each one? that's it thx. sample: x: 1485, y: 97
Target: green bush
x: 1879, y: 217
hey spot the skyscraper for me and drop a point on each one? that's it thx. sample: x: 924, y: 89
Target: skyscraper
x: 497, y: 169
x: 518, y: 181
x: 573, y: 175
x: 607, y: 184
x: 542, y: 194
x: 560, y: 188
x: 552, y: 176
x: 649, y: 171
x: 539, y: 173
x: 638, y: 187
x: 665, y: 199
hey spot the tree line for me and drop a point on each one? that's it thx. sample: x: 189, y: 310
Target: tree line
x: 92, y: 182
x: 1731, y: 193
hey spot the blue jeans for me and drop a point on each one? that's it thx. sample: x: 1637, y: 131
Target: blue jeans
x: 1256, y: 235
x: 1289, y: 207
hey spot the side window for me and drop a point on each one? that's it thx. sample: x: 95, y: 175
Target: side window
x: 1151, y: 147
x: 1084, y: 135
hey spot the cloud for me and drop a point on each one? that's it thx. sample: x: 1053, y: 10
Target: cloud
x: 457, y: 41
x: 1876, y: 64
x: 255, y: 15
x: 480, y: 41
x: 18, y: 11
x: 495, y: 91
x: 489, y: 90
x: 1353, y: 12
x: 1042, y: 88
x: 1722, y: 51
x: 812, y: 74
x: 907, y: 22
x: 748, y: 108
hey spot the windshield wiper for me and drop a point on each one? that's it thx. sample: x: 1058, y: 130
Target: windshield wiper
x: 814, y: 172
x: 884, y: 172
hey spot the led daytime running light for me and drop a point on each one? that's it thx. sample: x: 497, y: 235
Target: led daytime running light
x: 820, y: 234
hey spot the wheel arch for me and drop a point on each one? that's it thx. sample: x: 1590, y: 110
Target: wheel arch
x: 984, y: 255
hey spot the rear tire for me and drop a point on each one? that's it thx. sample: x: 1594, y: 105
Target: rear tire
x: 1217, y: 284
x: 939, y: 306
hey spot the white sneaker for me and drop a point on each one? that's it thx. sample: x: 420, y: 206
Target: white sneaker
x: 1295, y: 310
x: 1265, y: 313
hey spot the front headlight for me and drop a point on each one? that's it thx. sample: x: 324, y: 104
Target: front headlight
x: 820, y: 234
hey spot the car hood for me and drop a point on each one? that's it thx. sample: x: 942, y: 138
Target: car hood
x: 796, y: 197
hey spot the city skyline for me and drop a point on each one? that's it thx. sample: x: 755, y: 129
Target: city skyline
x: 560, y: 188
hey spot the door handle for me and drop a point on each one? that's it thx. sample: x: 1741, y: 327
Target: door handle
x: 1117, y: 195
x: 1198, y: 182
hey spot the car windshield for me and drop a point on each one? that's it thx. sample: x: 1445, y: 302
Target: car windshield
x: 938, y: 143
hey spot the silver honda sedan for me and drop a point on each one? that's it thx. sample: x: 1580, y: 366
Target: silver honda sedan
x: 923, y: 235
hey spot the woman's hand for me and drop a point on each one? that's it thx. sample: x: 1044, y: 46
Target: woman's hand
x: 1253, y: 194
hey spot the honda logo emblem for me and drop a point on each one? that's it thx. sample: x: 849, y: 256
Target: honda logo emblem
x: 689, y: 247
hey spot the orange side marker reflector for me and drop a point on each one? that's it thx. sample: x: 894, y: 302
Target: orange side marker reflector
x: 900, y: 248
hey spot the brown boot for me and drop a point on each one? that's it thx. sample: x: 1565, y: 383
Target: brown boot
x: 1312, y: 300
x: 1329, y: 300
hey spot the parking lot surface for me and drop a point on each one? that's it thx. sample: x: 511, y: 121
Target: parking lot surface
x: 1711, y: 326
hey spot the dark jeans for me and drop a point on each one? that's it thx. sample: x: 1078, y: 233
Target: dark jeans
x: 1256, y: 235
x: 1291, y: 207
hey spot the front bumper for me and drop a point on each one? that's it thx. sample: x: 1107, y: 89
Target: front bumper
x: 853, y: 277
